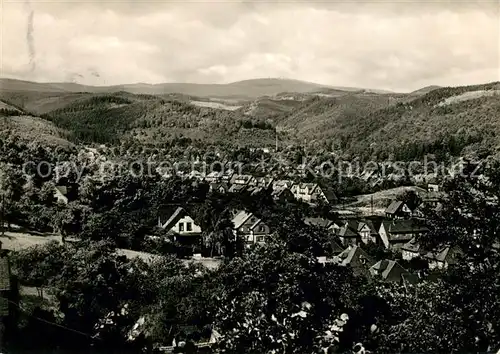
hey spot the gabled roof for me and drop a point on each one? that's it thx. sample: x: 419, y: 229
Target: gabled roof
x: 394, y: 207
x: 264, y: 181
x: 330, y: 195
x: 444, y: 254
x: 311, y: 187
x: 349, y: 229
x: 282, y: 183
x: 219, y: 185
x: 257, y: 223
x: 371, y: 225
x: 241, y: 218
x: 352, y: 253
x: 387, y: 269
x: 172, y: 220
x: 335, y: 246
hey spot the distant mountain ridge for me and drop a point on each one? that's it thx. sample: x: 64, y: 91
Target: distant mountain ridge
x: 246, y: 89
x: 356, y: 123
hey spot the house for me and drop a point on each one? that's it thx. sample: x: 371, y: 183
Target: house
x: 65, y: 194
x: 308, y: 192
x: 388, y: 270
x: 330, y: 196
x: 182, y: 226
x: 283, y: 195
x: 253, y: 190
x: 355, y: 257
x: 237, y: 188
x: 411, y: 250
x: 252, y: 228
x: 442, y: 257
x: 367, y: 232
x: 262, y: 182
x: 213, y: 177
x: 432, y: 187
x: 242, y: 180
x: 433, y: 198
x: 398, y: 210
x: 395, y: 233
x: 220, y: 187
x: 282, y: 183
x: 348, y: 233
x: 227, y: 176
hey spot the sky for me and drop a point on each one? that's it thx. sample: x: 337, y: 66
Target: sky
x: 396, y: 45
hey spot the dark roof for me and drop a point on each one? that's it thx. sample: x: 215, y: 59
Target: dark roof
x: 404, y: 226
x: 349, y: 229
x: 352, y: 253
x: 335, y: 246
x: 387, y: 269
x: 394, y: 207
x: 329, y: 194
x: 444, y: 254
x: 371, y: 225
x: 178, y: 213
x: 279, y: 191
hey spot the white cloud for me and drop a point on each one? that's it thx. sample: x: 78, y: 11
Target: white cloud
x: 390, y: 46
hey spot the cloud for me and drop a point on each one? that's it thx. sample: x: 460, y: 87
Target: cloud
x: 393, y: 45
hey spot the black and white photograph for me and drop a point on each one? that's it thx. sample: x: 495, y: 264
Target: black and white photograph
x: 249, y: 176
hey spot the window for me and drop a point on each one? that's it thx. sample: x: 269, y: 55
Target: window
x: 189, y: 227
x: 262, y: 228
x: 260, y: 238
x: 181, y: 227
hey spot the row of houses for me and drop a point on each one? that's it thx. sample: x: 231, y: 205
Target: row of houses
x: 184, y: 228
x: 280, y: 189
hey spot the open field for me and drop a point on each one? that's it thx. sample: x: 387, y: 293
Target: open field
x: 383, y: 197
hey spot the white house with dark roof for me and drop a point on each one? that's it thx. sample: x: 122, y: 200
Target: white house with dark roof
x: 396, y: 233
x: 180, y: 223
x: 442, y: 257
x: 242, y: 180
x: 252, y: 228
x: 309, y: 192
x: 397, y: 210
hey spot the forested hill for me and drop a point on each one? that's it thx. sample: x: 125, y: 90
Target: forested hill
x: 358, y: 123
